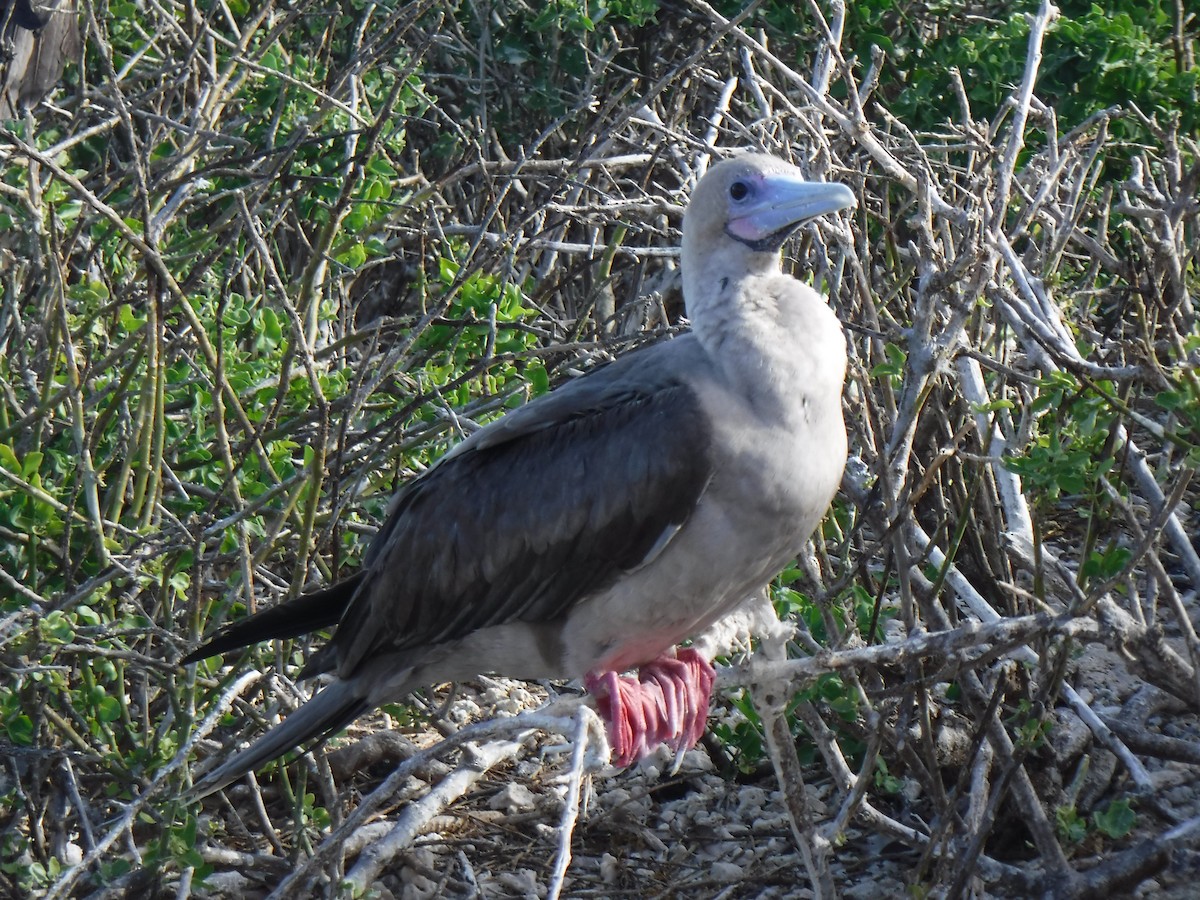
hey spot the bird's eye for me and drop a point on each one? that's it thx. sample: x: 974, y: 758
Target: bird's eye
x: 739, y: 190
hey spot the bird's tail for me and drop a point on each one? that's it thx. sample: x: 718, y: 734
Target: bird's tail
x: 332, y: 709
x: 306, y: 613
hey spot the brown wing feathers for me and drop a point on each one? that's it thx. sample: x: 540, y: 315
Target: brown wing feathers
x: 525, y: 529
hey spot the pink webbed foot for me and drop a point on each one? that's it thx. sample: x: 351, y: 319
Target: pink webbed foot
x: 666, y: 703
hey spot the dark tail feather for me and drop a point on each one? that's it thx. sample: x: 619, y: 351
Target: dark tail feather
x: 308, y: 612
x: 329, y: 711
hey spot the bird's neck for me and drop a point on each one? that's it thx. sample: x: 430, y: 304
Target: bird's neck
x: 710, y: 280
x: 776, y: 340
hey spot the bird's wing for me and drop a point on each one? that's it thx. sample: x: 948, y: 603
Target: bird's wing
x: 549, y: 505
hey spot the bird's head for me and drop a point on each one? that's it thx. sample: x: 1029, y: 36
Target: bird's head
x: 757, y: 201
x: 740, y: 214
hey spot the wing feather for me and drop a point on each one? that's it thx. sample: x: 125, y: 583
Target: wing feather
x: 524, y: 527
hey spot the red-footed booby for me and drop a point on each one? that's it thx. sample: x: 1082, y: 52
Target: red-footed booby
x: 594, y: 529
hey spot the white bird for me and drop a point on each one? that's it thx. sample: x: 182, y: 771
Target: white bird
x: 594, y: 529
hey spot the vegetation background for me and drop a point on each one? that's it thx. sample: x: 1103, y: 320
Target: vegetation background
x: 260, y: 262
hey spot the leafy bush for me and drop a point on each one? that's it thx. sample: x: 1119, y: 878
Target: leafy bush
x: 1096, y: 56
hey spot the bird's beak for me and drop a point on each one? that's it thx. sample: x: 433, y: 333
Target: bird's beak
x: 785, y: 202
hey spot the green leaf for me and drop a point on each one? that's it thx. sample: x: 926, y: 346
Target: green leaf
x: 1117, y: 820
x: 31, y: 464
x: 56, y: 628
x: 884, y: 780
x: 129, y: 320
x: 539, y: 379
x: 992, y: 406
x: 108, y: 709
x: 1171, y: 400
x: 1069, y: 825
x: 1106, y: 565
x: 894, y: 367
x: 88, y: 292
x: 354, y: 256
x: 69, y: 211
x: 20, y: 730
x: 381, y: 166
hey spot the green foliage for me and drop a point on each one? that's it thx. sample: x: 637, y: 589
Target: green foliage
x: 1071, y: 826
x: 17, y: 723
x: 829, y: 692
x: 1182, y: 401
x: 884, y: 780
x: 1030, y: 726
x: 854, y: 609
x: 312, y: 815
x: 1116, y: 820
x: 743, y: 739
x: 1106, y: 564
x: 485, y: 299
x: 1118, y: 54
x: 178, y: 846
x: 577, y: 16
x: 549, y: 50
x: 1095, y: 56
x: 1071, y: 451
x: 894, y: 368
